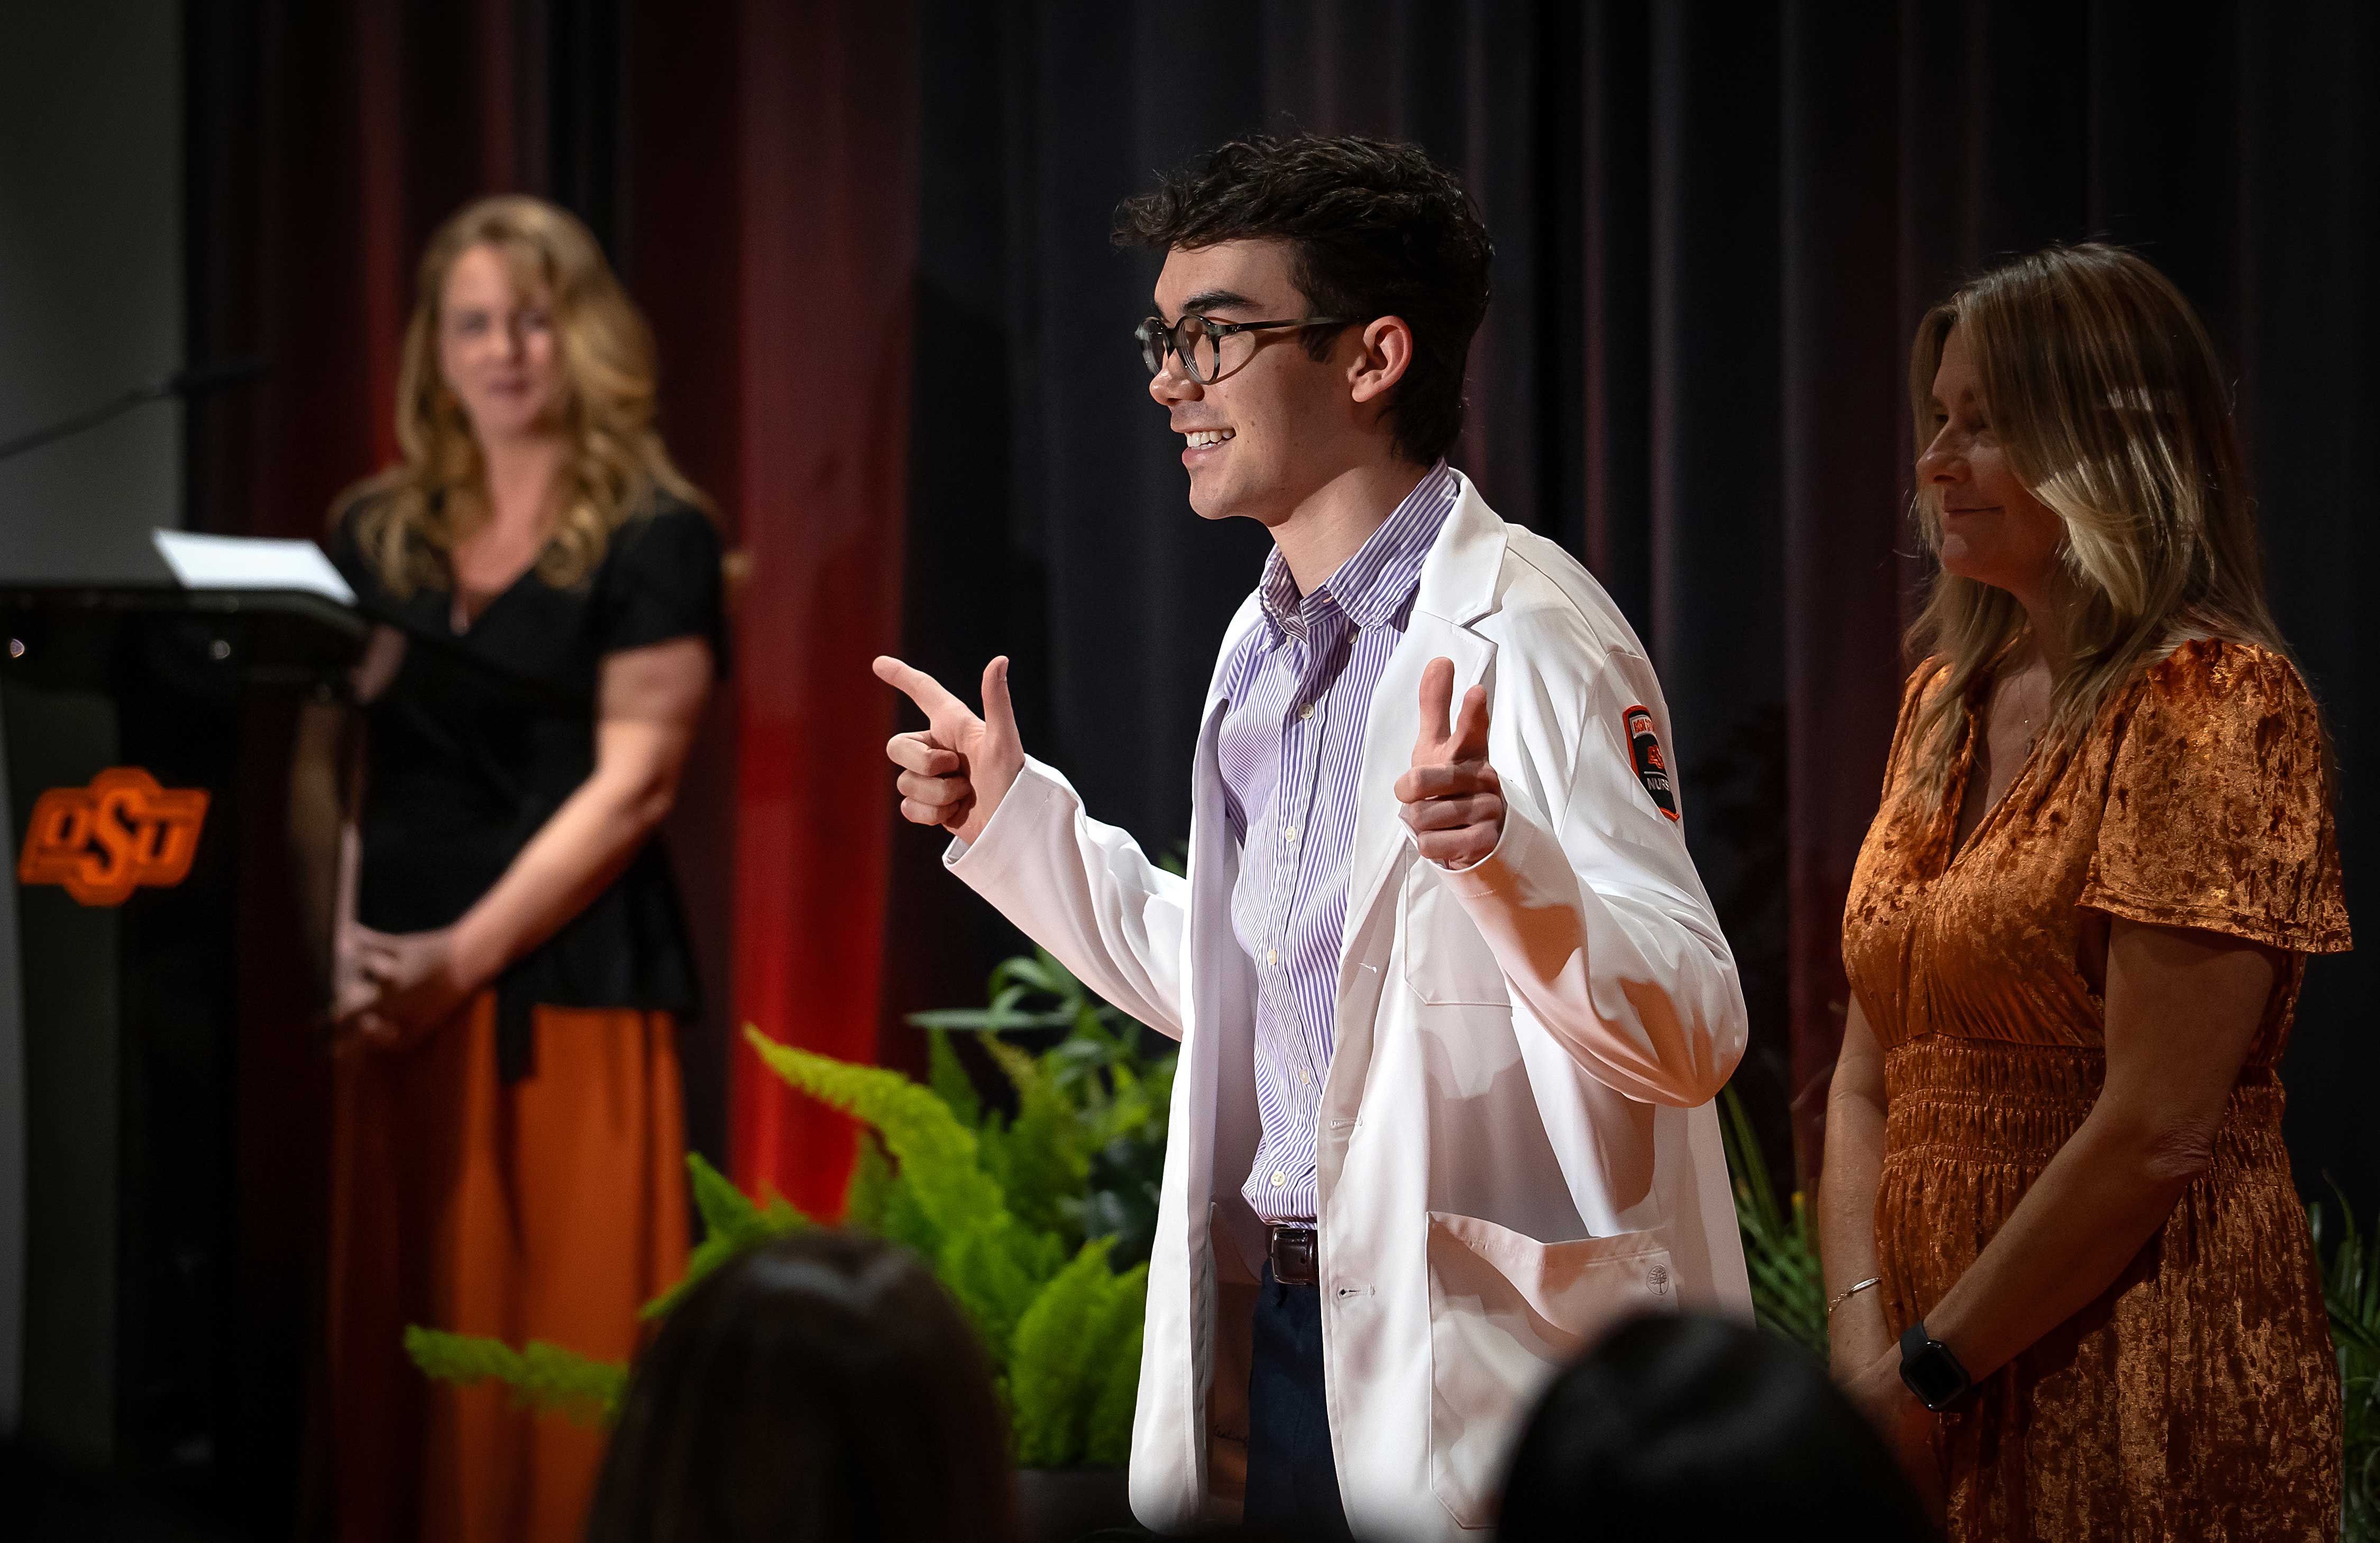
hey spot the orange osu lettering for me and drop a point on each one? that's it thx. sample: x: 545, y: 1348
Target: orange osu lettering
x: 120, y: 834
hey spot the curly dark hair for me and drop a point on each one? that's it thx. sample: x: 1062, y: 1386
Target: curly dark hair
x: 1377, y: 229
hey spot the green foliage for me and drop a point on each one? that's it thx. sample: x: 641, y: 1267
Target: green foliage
x: 949, y: 1079
x: 868, y: 1194
x: 877, y: 1201
x: 1110, y: 1443
x: 937, y: 1154
x: 731, y: 1223
x: 1025, y: 1219
x: 2350, y: 1288
x: 990, y: 1260
x: 1008, y: 1212
x: 1084, y: 1153
x: 1050, y: 1370
x: 1079, y: 1164
x: 548, y: 1377
x: 1788, y: 1293
x: 1038, y: 1158
x: 539, y: 1376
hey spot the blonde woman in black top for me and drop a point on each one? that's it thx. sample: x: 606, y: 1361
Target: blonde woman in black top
x: 510, y: 976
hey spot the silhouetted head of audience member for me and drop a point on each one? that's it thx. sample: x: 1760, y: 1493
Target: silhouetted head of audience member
x: 823, y: 1389
x: 1684, y: 1429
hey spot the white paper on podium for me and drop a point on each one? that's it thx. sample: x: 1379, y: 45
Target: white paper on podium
x: 250, y: 563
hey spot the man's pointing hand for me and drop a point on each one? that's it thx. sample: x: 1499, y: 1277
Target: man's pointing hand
x: 956, y: 773
x: 1451, y: 796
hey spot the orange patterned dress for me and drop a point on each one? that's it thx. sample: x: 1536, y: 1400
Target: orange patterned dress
x: 2197, y: 1397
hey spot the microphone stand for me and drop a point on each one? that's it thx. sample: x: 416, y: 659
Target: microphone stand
x: 182, y: 382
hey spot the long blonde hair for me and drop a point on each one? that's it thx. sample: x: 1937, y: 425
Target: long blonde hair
x: 2104, y: 390
x: 412, y: 515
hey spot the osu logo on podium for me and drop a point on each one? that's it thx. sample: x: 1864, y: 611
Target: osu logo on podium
x: 104, y: 840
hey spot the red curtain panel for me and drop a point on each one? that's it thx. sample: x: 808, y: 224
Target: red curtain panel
x: 828, y: 245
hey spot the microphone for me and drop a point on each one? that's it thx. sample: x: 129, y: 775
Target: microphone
x: 195, y: 380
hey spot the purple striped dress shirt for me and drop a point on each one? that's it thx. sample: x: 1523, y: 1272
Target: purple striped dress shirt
x: 1300, y: 687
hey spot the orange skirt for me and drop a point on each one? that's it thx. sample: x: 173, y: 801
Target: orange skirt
x: 550, y: 1209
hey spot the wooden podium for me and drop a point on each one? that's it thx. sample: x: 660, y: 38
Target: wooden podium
x: 163, y: 1098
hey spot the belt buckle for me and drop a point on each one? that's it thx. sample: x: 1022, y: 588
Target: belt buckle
x: 1294, y: 1256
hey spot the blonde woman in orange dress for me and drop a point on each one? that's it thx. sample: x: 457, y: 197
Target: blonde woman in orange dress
x: 508, y: 1130
x: 2071, y: 1276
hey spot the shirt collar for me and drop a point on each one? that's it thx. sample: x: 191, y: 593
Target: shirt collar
x: 1373, y: 587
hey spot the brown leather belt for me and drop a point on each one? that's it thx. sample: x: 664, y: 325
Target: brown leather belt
x: 1296, y: 1259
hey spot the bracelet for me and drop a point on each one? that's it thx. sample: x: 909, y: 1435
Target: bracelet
x: 1845, y: 1296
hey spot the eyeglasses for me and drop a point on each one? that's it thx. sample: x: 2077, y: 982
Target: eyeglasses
x: 1199, y: 343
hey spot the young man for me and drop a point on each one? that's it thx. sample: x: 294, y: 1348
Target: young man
x: 1451, y: 999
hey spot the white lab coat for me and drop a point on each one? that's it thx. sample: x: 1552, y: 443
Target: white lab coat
x: 1517, y: 1144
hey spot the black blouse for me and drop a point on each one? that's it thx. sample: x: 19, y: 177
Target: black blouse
x: 484, y: 733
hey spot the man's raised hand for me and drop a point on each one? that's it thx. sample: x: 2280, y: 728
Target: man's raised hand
x: 1451, y: 796
x: 956, y: 773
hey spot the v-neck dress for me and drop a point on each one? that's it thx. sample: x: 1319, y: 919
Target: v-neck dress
x: 2197, y: 1397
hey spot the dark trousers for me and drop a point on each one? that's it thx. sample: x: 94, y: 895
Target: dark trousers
x: 1293, y: 1482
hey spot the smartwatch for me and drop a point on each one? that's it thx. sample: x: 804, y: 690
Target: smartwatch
x: 1931, y: 1371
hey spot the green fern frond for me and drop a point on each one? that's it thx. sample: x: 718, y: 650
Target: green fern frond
x: 995, y: 1270
x: 1049, y: 1367
x: 994, y: 1207
x: 867, y: 1194
x: 1788, y: 1292
x: 937, y: 1155
x: 1042, y: 1159
x: 731, y: 1223
x: 542, y: 1376
x: 1114, y: 1368
x: 950, y: 1080
x: 992, y: 1263
x: 1110, y: 1445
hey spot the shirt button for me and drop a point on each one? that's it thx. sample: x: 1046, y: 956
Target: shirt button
x: 1306, y: 712
x: 1289, y: 833
x: 1305, y: 1076
x: 1272, y: 956
x: 1279, y: 1178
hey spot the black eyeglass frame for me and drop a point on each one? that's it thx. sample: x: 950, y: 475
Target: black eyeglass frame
x: 1156, y: 339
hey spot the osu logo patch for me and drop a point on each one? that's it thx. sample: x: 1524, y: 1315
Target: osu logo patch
x: 1644, y: 754
x: 118, y: 834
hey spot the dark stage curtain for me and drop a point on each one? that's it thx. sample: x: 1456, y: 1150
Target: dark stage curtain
x: 873, y: 240
x: 1714, y: 227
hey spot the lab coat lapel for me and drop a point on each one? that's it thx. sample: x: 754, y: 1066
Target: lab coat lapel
x: 1458, y: 586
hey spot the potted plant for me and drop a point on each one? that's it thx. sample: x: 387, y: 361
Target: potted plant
x: 1038, y: 1222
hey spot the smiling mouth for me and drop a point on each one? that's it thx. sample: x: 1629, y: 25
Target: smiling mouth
x: 1207, y: 439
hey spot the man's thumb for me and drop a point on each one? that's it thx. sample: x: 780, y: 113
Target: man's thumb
x: 999, y: 713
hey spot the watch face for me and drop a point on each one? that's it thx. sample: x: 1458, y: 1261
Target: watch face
x: 1929, y: 1378
x: 1930, y: 1370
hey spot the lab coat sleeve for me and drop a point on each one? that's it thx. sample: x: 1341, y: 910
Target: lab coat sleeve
x: 1086, y: 892
x: 1589, y: 901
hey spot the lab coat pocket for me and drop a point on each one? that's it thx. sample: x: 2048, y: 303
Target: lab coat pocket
x: 1446, y: 962
x: 1507, y: 1312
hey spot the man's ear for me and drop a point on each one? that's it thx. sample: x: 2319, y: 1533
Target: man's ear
x: 1381, y: 361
